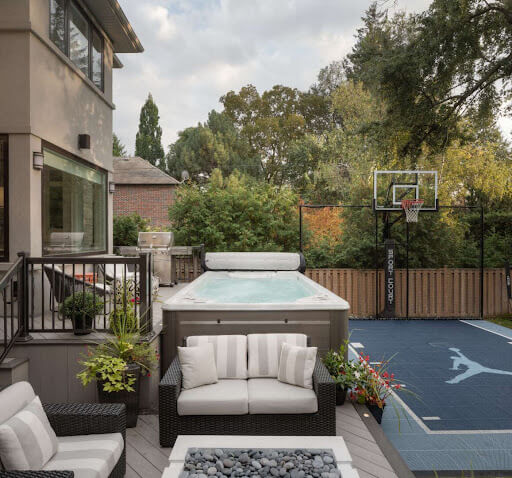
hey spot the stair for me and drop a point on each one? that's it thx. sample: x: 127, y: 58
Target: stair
x: 13, y: 370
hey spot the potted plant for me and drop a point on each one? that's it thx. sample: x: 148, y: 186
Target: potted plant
x: 123, y: 306
x: 343, y: 372
x: 117, y: 365
x: 374, y: 386
x: 81, y: 308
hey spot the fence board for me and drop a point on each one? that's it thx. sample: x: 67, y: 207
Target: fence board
x: 446, y: 292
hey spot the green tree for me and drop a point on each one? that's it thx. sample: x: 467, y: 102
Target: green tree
x: 118, y: 148
x: 236, y: 213
x: 127, y: 228
x: 148, y: 142
x: 214, y: 144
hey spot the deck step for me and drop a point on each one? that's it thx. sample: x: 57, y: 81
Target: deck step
x: 13, y: 370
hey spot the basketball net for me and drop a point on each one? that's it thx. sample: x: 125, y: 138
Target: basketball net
x: 412, y: 208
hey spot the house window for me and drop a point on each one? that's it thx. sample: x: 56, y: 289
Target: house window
x: 4, y: 219
x: 74, y: 34
x: 74, y: 206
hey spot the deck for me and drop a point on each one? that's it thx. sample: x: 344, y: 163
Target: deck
x: 146, y: 459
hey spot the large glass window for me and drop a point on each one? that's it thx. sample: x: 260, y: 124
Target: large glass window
x: 74, y: 206
x: 73, y: 32
x: 58, y: 23
x: 4, y: 141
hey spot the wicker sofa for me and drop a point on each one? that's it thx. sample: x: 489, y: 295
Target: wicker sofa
x: 73, y: 420
x: 322, y: 421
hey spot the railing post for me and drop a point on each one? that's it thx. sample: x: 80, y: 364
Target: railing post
x: 146, y: 293
x: 23, y: 297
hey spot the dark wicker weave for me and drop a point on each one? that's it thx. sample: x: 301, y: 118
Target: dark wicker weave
x: 171, y: 424
x: 81, y: 419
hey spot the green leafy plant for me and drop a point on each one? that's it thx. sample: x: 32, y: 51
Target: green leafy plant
x: 124, y: 306
x: 127, y: 228
x: 109, y: 360
x: 81, y: 307
x: 344, y: 372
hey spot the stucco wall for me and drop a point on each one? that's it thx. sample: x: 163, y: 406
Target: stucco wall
x: 149, y: 201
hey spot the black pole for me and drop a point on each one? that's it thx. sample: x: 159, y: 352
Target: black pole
x: 376, y: 263
x: 481, y: 262
x: 300, y: 227
x: 407, y: 270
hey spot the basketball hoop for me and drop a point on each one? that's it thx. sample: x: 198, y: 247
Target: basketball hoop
x: 412, y: 208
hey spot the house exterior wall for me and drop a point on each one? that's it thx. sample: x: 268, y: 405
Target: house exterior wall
x: 45, y: 97
x: 150, y: 201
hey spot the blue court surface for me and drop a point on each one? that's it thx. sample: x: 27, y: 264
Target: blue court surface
x: 461, y: 373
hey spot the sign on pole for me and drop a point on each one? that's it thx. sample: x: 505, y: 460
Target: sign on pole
x: 389, y: 279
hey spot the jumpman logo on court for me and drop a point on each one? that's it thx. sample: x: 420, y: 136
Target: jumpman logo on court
x: 473, y: 368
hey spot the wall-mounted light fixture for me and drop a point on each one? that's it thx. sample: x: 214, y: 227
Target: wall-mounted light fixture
x: 84, y: 141
x: 111, y: 187
x: 37, y: 160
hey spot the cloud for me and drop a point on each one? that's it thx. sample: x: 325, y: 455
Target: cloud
x: 197, y: 50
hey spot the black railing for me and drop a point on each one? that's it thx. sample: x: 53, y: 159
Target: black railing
x: 12, y: 304
x: 62, y: 291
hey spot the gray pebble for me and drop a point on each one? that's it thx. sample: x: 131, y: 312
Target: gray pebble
x: 219, y: 452
x: 255, y: 464
x: 228, y: 463
x: 328, y: 459
x: 212, y: 470
x: 244, y: 458
x: 289, y: 465
x: 219, y: 465
x: 274, y: 472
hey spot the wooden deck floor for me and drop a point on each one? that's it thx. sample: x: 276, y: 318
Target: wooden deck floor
x: 146, y: 459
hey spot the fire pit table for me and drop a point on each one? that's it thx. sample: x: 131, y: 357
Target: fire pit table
x: 214, y: 456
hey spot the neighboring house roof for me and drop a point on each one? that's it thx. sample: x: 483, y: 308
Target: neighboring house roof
x: 136, y: 170
x: 113, y: 20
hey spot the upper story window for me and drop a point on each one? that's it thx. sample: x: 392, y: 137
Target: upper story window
x: 75, y: 35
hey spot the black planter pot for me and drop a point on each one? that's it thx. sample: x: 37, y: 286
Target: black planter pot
x: 376, y: 412
x: 341, y: 395
x: 130, y: 399
x: 82, y: 325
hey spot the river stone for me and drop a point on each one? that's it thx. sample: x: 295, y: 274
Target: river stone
x: 212, y: 471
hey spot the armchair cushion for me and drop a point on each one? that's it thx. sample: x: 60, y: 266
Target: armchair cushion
x: 230, y: 353
x: 270, y: 396
x: 27, y: 441
x: 296, y: 365
x: 198, y: 366
x: 265, y: 350
x: 88, y: 456
x: 226, y: 397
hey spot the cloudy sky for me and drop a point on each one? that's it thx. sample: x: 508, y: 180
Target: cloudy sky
x: 197, y: 50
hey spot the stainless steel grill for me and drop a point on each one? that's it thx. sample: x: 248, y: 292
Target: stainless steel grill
x: 159, y: 244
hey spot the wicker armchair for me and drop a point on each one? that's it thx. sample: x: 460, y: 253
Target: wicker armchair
x: 322, y: 422
x: 81, y: 419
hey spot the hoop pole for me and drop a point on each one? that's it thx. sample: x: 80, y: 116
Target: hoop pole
x: 407, y: 270
x: 482, y: 227
x: 376, y: 263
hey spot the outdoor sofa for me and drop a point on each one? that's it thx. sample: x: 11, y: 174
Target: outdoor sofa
x: 272, y: 408
x: 79, y: 427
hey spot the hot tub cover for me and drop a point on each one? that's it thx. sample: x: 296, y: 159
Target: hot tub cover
x: 254, y: 261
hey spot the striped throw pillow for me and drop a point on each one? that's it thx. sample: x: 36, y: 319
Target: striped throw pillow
x: 27, y: 440
x: 265, y: 350
x: 296, y: 365
x: 230, y: 353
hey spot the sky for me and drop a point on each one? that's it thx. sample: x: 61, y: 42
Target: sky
x: 197, y: 50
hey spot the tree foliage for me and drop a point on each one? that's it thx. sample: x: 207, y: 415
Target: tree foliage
x: 148, y: 141
x: 236, y: 213
x: 127, y: 228
x: 118, y: 148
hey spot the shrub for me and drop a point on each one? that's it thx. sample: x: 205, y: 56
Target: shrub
x: 127, y: 228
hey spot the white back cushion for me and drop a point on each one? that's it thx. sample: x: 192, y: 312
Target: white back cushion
x: 15, y: 398
x: 265, y: 350
x: 27, y: 441
x: 197, y: 365
x: 230, y: 353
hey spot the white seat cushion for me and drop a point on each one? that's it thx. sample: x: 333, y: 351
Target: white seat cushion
x: 88, y: 456
x: 226, y: 397
x: 265, y: 350
x: 270, y: 396
x: 230, y: 353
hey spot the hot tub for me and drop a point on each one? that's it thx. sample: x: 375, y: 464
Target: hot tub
x: 243, y: 293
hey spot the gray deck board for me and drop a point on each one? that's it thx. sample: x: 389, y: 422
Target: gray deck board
x: 145, y: 458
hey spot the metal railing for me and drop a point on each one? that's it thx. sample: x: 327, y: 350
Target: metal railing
x: 61, y: 290
x: 12, y: 301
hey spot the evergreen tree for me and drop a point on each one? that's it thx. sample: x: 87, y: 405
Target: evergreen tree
x: 148, y: 142
x: 118, y: 148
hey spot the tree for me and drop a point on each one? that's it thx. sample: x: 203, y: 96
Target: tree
x: 148, y: 142
x: 214, y: 144
x: 236, y: 213
x: 118, y: 148
x: 435, y: 67
x: 127, y: 228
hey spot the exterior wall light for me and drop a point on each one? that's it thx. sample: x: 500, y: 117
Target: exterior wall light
x: 111, y: 187
x: 37, y: 160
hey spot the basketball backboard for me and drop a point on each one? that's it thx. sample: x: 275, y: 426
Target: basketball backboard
x: 391, y: 187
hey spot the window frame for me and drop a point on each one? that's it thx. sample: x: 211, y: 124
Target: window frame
x: 92, y: 29
x: 68, y: 155
x: 5, y: 173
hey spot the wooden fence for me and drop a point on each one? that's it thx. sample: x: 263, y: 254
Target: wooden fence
x: 432, y: 292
